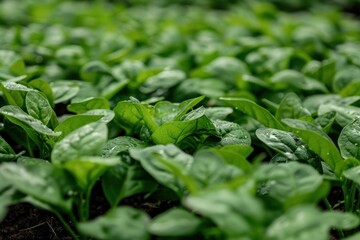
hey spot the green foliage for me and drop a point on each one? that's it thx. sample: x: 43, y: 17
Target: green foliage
x: 234, y: 124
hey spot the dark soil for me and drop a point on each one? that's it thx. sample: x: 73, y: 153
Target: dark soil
x: 25, y: 222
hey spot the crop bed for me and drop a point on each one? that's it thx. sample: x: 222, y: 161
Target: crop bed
x: 122, y: 120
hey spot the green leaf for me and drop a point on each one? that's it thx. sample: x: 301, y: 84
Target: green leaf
x: 124, y: 180
x: 87, y: 170
x: 124, y: 223
x: 176, y: 131
x: 349, y: 140
x: 235, y: 155
x: 31, y: 125
x: 13, y: 62
x: 291, y: 78
x: 93, y: 71
x: 231, y: 133
x: 285, y: 143
x: 344, y: 114
x: 175, y: 222
x: 290, y: 182
x: 14, y: 93
x: 87, y: 140
x: 43, y: 87
x: 353, y: 174
x: 291, y: 107
x: 42, y: 187
x: 122, y: 144
x: 132, y: 116
x: 163, y: 81
x: 351, y: 89
x: 167, y: 164
x: 323, y: 146
x: 38, y: 107
x: 218, y: 113
x: 252, y: 109
x: 88, y: 104
x: 209, y: 169
x: 165, y: 111
x: 236, y: 213
x: 307, y: 222
x: 74, y: 122
x: 64, y: 90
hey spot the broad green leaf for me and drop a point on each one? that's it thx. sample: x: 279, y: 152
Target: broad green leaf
x: 236, y: 213
x: 291, y: 107
x: 321, y: 145
x: 14, y: 93
x: 291, y: 78
x: 43, y: 87
x: 74, y: 122
x: 87, y: 170
x: 349, y: 140
x: 252, y: 109
x: 285, y: 143
x: 307, y: 222
x: 353, y: 174
x: 12, y: 62
x: 167, y: 164
x: 352, y: 89
x: 32, y: 126
x: 290, y: 182
x: 355, y: 236
x: 314, y: 102
x: 190, y: 88
x: 118, y: 145
x: 175, y: 222
x: 163, y: 81
x: 70, y: 55
x: 64, y: 90
x: 231, y: 133
x: 42, y: 187
x: 88, y: 104
x: 326, y: 121
x: 165, y: 111
x: 38, y: 107
x: 120, y: 223
x: 87, y: 140
x: 209, y: 169
x: 124, y: 180
x: 344, y: 114
x: 176, y: 131
x: 218, y: 113
x: 235, y: 155
x: 225, y: 68
x: 94, y: 71
x: 107, y: 115
x: 132, y: 116
x: 5, y: 147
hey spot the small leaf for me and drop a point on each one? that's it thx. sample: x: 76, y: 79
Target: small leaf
x: 38, y: 107
x: 88, y: 104
x: 87, y: 140
x: 349, y: 140
x: 323, y: 146
x: 124, y: 223
x: 252, y: 109
x: 175, y: 222
x: 124, y: 180
x: 167, y: 164
x: 64, y: 90
x: 87, y: 170
x: 291, y: 107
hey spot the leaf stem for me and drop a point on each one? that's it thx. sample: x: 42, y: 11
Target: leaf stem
x: 66, y: 225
